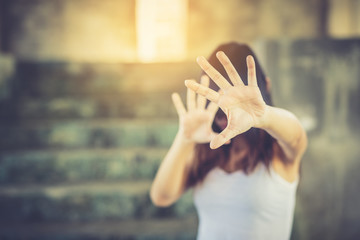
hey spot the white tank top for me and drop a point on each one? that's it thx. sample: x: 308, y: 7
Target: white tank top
x: 238, y: 206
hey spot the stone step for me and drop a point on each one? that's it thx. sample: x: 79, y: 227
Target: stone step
x: 71, y: 134
x: 53, y: 167
x: 57, y: 79
x: 7, y: 64
x: 148, y: 229
x: 126, y: 105
x: 90, y: 201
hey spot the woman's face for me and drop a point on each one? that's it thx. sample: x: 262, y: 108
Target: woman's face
x: 221, y: 121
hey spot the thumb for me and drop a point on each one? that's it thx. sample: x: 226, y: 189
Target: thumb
x: 222, y: 138
x: 212, y: 135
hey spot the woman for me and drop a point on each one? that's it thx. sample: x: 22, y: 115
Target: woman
x: 245, y: 180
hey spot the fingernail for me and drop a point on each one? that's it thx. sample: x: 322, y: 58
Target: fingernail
x: 204, y: 77
x: 187, y: 82
x: 213, y: 145
x: 220, y: 53
x: 200, y: 59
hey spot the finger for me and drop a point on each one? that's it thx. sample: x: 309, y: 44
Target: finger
x: 251, y: 71
x: 212, y: 108
x: 191, y: 104
x: 222, y: 138
x: 201, y: 100
x: 204, y: 91
x: 213, y: 73
x: 229, y: 68
x: 178, y: 104
x: 212, y: 136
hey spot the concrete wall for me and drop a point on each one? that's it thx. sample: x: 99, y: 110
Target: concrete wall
x: 73, y: 30
x: 105, y: 30
x: 319, y: 80
x: 344, y: 19
x: 72, y: 120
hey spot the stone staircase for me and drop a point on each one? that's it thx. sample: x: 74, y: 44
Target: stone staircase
x: 80, y: 144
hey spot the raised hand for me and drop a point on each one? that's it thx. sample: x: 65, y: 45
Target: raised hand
x: 195, y: 123
x: 243, y: 105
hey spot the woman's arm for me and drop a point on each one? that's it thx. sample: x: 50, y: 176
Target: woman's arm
x: 170, y: 180
x: 287, y: 130
x: 194, y: 127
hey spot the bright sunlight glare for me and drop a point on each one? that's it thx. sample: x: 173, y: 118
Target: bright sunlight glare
x: 161, y: 30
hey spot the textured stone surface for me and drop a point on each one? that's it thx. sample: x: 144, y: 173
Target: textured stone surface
x: 79, y: 165
x: 88, y: 30
x: 78, y: 30
x: 54, y: 90
x: 105, y: 133
x: 7, y: 63
x: 148, y: 229
x: 91, y: 201
x: 316, y: 79
x: 54, y: 79
x: 125, y: 105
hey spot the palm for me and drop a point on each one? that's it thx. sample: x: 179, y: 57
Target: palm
x: 243, y: 105
x: 195, y: 123
x: 196, y: 126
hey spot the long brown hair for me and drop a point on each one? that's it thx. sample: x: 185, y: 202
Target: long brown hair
x: 259, y: 143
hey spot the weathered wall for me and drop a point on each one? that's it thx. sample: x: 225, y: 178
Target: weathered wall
x: 344, y: 19
x: 73, y: 30
x: 6, y: 61
x: 81, y: 141
x: 105, y: 30
x: 319, y: 80
x: 6, y: 72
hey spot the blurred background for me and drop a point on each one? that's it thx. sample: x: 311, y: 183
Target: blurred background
x: 86, y: 115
